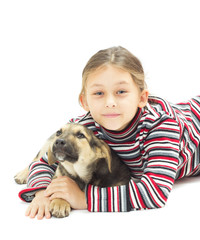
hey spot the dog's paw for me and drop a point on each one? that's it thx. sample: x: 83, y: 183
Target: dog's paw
x: 59, y: 208
x: 21, y: 177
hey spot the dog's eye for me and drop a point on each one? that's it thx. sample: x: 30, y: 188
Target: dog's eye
x: 59, y: 132
x: 80, y: 135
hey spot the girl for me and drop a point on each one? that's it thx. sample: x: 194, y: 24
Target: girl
x: 158, y: 141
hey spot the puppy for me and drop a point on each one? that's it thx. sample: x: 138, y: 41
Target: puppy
x: 82, y: 157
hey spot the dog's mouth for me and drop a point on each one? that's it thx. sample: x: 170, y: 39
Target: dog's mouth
x: 60, y: 156
x: 64, y: 156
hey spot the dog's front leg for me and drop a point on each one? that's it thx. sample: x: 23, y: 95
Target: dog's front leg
x: 60, y: 208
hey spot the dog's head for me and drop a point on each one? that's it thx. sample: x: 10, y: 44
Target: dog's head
x: 75, y: 142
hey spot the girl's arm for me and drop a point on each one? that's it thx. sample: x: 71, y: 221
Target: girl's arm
x: 40, y: 176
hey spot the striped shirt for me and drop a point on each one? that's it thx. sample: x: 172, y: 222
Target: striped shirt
x: 160, y: 145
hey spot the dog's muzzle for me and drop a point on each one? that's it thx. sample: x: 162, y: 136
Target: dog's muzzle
x: 64, y: 151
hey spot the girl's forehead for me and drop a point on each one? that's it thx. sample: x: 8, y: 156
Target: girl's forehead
x: 107, y: 74
x: 117, y: 83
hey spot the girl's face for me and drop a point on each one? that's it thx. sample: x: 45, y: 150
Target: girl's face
x: 112, y: 97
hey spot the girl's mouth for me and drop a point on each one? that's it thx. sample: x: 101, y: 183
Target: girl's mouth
x: 111, y: 115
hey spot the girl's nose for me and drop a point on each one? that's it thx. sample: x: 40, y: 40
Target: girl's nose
x: 110, y: 102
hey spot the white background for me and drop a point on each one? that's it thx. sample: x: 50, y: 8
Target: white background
x: 44, y: 46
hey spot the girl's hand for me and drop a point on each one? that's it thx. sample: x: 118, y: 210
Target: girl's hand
x: 67, y: 189
x: 39, y: 206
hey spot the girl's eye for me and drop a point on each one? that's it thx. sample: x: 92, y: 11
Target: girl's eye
x: 121, y: 92
x: 98, y: 93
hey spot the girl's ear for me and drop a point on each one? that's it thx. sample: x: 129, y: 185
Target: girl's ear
x: 83, y: 102
x: 143, y: 98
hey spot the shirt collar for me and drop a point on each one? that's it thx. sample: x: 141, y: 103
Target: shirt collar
x: 126, y: 132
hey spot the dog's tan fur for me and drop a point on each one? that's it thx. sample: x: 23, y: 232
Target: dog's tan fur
x: 84, y: 158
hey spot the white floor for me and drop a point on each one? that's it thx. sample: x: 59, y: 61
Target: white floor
x: 44, y: 46
x: 179, y: 218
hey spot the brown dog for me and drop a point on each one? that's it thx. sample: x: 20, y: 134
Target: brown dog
x: 82, y: 157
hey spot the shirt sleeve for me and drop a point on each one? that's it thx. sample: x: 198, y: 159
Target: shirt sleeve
x: 40, y: 176
x: 160, y: 153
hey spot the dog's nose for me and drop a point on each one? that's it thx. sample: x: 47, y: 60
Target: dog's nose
x: 60, y: 142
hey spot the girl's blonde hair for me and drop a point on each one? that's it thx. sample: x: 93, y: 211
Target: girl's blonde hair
x: 117, y: 57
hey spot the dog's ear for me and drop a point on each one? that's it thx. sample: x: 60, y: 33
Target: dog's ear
x: 103, y: 150
x: 106, y: 153
x: 51, y: 157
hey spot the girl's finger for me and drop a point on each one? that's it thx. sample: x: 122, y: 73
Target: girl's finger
x: 47, y: 213
x: 41, y: 212
x: 34, y: 211
x: 56, y: 187
x: 58, y: 195
x: 28, y: 210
